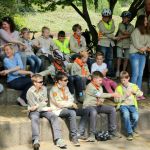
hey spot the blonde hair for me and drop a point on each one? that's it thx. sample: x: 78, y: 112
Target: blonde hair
x: 36, y: 76
x: 84, y: 54
x: 8, y: 45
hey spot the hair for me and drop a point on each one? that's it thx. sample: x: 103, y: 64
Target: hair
x: 97, y: 74
x: 45, y: 28
x: 99, y: 54
x: 61, y: 34
x: 75, y: 27
x: 36, y: 76
x: 10, y: 22
x: 8, y: 45
x: 23, y: 30
x: 124, y: 75
x: 83, y: 54
x: 60, y: 75
x: 140, y: 24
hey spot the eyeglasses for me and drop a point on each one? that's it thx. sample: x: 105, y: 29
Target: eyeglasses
x: 39, y: 82
x: 65, y: 80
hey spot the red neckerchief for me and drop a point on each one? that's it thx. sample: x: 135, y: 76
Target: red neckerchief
x: 58, y: 66
x: 96, y: 86
x: 77, y: 37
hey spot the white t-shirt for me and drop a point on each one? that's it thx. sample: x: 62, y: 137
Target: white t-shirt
x: 96, y: 67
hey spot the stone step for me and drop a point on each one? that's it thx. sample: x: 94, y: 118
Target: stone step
x: 15, y: 127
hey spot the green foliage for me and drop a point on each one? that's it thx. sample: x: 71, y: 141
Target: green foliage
x: 19, y: 21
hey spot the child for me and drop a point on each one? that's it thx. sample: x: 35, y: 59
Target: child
x: 94, y: 98
x: 45, y: 46
x: 37, y: 106
x: 63, y: 101
x: 99, y: 65
x: 80, y: 68
x: 123, y: 44
x: 33, y: 60
x: 106, y: 29
x: 127, y: 104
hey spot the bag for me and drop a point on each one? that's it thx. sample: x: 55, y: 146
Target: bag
x: 102, y: 136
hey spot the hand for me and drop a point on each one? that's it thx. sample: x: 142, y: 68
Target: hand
x: 31, y: 73
x: 33, y: 108
x: 4, y: 72
x: 143, y: 49
x: 116, y: 95
x: 99, y: 101
x: 74, y: 106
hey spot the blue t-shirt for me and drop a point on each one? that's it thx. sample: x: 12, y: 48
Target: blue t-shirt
x: 12, y: 63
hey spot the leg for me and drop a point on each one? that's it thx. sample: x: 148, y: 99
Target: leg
x: 32, y: 64
x: 78, y: 85
x: 125, y: 64
x: 54, y: 122
x: 126, y: 58
x: 126, y: 119
x: 45, y: 62
x: 119, y: 57
x: 71, y: 84
x: 35, y: 117
x: 71, y: 116
x: 38, y: 63
x: 111, y: 112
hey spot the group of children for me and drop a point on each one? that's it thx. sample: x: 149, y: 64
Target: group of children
x: 75, y: 80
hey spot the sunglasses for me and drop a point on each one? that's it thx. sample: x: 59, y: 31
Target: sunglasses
x: 39, y: 82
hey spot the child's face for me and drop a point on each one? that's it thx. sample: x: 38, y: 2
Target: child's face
x: 26, y: 35
x: 78, y: 32
x: 98, y: 81
x: 46, y: 33
x: 124, y: 81
x: 125, y: 20
x: 106, y: 19
x: 63, y: 82
x: 61, y: 38
x: 8, y: 51
x: 38, y: 83
x: 99, y: 60
x: 84, y: 59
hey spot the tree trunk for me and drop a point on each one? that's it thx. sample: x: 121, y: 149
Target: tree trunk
x: 112, y: 4
x: 85, y: 15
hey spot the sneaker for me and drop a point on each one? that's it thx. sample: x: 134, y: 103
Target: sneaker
x: 36, y: 146
x: 135, y: 133
x: 141, y: 98
x: 130, y: 137
x: 82, y: 138
x: 117, y: 74
x: 21, y: 102
x: 75, y: 142
x: 60, y: 143
x: 115, y: 134
x: 91, y: 138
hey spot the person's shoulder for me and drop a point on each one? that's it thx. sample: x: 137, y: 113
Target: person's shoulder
x: 31, y: 89
x: 17, y: 55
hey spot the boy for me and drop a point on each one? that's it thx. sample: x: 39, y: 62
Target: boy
x: 45, y: 46
x: 106, y: 38
x: 33, y: 60
x: 123, y: 44
x: 63, y: 103
x: 37, y: 106
x: 94, y: 98
x: 99, y: 65
x: 127, y: 104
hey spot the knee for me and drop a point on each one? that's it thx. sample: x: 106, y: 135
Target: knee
x: 125, y: 115
x: 93, y: 113
x: 112, y: 110
x: 72, y: 114
x: 32, y: 62
x: 34, y: 118
x: 135, y: 117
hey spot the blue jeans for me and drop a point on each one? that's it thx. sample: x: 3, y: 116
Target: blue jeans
x: 108, y: 53
x: 130, y: 118
x: 34, y: 62
x: 137, y: 66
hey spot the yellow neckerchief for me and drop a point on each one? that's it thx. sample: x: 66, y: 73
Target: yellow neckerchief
x: 108, y: 25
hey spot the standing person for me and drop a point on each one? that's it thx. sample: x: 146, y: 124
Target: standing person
x: 63, y: 102
x: 127, y: 104
x: 8, y: 34
x: 37, y: 107
x: 45, y: 46
x: 106, y: 28
x: 94, y: 98
x: 99, y: 65
x: 1, y: 88
x: 123, y: 44
x: 139, y: 45
x: 16, y: 75
x: 33, y: 60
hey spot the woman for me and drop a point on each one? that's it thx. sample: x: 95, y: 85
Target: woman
x: 8, y: 34
x: 16, y: 78
x: 140, y: 44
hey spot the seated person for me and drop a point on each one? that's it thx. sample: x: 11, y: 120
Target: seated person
x: 45, y: 46
x: 99, y: 65
x: 37, y: 107
x: 64, y: 106
x: 33, y: 60
x: 16, y: 76
x: 127, y: 104
x: 94, y: 98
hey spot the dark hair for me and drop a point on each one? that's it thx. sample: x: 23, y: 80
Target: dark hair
x: 23, y: 30
x: 61, y: 34
x: 10, y: 22
x: 60, y: 75
x: 140, y: 24
x: 97, y: 74
x: 75, y: 27
x: 99, y: 54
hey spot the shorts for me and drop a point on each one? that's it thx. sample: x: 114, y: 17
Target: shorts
x: 123, y: 53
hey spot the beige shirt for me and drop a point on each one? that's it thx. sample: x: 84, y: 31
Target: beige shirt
x: 56, y: 95
x: 138, y: 41
x: 47, y: 46
x: 92, y: 95
x: 125, y: 43
x: 75, y: 47
x: 142, y: 12
x: 37, y: 98
x: 107, y: 39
